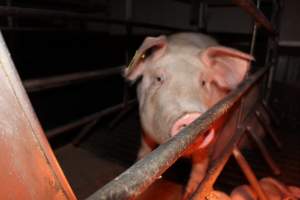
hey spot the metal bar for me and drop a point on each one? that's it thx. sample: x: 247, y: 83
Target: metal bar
x: 75, y: 124
x: 217, y: 166
x: 250, y: 8
x: 86, y: 5
x: 10, y: 22
x: 126, y: 109
x: 66, y: 15
x: 254, y: 32
x: 39, y: 84
x: 268, y: 129
x: 83, y: 133
x: 265, y: 153
x: 271, y: 113
x: 248, y: 172
x: 29, y: 169
x: 273, y: 46
x: 139, y: 176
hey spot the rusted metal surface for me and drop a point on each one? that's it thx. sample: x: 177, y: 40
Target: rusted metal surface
x: 268, y: 129
x: 265, y: 153
x: 248, y: 172
x: 95, y: 116
x: 251, y: 9
x: 68, y: 79
x: 139, y: 176
x: 29, y: 169
x: 67, y: 15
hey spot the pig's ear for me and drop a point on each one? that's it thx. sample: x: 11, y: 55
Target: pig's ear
x: 228, y: 66
x: 152, y: 48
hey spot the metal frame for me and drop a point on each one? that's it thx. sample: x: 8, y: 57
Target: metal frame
x: 24, y: 145
x: 138, y: 177
x: 40, y: 84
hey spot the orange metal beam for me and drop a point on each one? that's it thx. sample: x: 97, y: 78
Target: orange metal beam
x: 29, y: 169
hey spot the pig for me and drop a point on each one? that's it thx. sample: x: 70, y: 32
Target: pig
x: 273, y: 189
x: 179, y: 78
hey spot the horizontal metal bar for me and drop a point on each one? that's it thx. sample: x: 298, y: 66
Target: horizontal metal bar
x: 139, y: 176
x: 39, y: 84
x: 67, y: 15
x: 83, y: 5
x: 250, y: 8
x: 75, y: 124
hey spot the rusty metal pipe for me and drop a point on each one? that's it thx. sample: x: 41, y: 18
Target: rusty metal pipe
x: 264, y: 151
x: 75, y: 124
x: 67, y: 15
x: 139, y: 176
x: 40, y: 84
x: 269, y: 130
x: 248, y: 172
x: 249, y: 7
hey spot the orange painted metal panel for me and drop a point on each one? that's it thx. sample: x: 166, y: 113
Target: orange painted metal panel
x: 29, y: 169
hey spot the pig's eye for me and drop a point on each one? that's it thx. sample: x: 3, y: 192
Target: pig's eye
x: 159, y: 79
x: 203, y: 83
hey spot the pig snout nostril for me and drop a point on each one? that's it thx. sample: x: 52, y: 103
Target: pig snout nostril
x: 183, y: 122
x: 182, y: 127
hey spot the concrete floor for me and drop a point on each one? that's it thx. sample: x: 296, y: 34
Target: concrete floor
x: 84, y: 171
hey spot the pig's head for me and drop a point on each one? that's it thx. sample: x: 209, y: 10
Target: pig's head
x: 177, y: 85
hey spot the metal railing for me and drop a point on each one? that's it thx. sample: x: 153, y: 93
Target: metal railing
x: 39, y: 84
x: 139, y: 176
x: 68, y: 15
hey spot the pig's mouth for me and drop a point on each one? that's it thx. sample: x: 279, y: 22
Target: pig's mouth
x: 186, y: 120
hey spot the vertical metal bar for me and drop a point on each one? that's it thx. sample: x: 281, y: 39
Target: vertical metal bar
x: 194, y: 13
x: 268, y: 129
x: 126, y: 95
x: 263, y: 150
x: 254, y: 32
x: 9, y: 18
x: 273, y: 45
x: 128, y: 17
x: 202, y: 21
x: 271, y: 113
x: 241, y: 108
x: 248, y: 172
x: 128, y: 41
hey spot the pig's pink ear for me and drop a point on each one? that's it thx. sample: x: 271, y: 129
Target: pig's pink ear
x: 228, y: 66
x: 152, y: 48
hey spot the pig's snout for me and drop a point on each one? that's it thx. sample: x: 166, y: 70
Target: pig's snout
x: 187, y: 119
x: 184, y: 121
